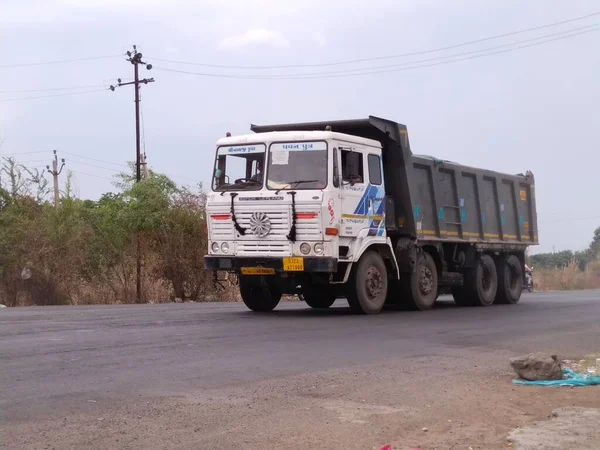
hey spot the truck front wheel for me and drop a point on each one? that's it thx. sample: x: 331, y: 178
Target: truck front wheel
x: 368, y: 284
x: 259, y: 294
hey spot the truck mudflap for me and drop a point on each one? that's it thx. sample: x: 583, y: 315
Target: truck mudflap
x: 262, y: 265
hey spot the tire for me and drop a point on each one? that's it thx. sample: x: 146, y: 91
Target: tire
x: 421, y: 287
x: 368, y: 284
x: 510, y: 280
x: 481, y: 282
x: 319, y: 298
x: 258, y: 294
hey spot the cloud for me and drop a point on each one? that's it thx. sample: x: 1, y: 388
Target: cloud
x: 255, y: 37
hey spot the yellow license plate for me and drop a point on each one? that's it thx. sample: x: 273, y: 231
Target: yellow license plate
x: 257, y: 271
x: 293, y: 264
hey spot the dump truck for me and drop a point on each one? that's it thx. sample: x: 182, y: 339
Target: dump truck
x: 344, y: 209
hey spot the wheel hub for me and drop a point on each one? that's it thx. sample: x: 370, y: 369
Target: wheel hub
x: 374, y: 282
x: 426, y: 281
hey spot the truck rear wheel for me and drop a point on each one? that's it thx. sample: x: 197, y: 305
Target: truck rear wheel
x: 510, y: 280
x: 368, y: 284
x: 421, y: 287
x: 481, y: 282
x: 259, y: 294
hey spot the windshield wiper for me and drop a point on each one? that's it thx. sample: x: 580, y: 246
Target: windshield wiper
x: 241, y: 186
x: 293, y: 184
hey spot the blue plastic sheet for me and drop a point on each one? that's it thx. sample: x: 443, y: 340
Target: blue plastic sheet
x: 570, y: 379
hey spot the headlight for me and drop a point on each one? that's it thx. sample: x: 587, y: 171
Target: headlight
x: 305, y: 248
x: 225, y: 247
x: 215, y: 247
x: 319, y: 248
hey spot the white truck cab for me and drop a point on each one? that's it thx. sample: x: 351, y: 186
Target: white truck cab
x: 290, y: 212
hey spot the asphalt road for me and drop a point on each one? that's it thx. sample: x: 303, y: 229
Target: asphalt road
x: 59, y: 357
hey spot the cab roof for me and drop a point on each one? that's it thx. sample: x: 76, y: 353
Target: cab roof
x: 293, y: 136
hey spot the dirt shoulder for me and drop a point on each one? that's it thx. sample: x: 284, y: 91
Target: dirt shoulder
x: 457, y: 402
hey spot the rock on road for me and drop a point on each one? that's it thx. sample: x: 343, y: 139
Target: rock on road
x: 218, y: 376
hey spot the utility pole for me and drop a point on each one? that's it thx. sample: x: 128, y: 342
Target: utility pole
x: 145, y: 165
x: 55, y: 173
x: 135, y: 58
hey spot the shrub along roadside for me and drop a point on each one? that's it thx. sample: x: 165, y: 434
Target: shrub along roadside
x: 84, y: 251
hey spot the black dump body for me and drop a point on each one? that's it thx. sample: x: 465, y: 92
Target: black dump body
x: 435, y: 200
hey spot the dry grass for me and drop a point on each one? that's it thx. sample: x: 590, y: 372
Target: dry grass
x: 567, y: 278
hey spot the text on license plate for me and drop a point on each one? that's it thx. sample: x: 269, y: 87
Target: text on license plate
x: 293, y: 264
x: 257, y: 271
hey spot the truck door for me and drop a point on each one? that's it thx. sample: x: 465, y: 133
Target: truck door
x: 354, y: 202
x: 362, y: 192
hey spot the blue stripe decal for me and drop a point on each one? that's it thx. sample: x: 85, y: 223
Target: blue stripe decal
x: 377, y: 195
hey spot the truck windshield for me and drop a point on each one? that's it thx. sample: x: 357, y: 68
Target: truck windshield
x: 297, y: 165
x: 239, y: 167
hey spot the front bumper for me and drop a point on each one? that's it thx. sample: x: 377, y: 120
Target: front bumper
x: 229, y: 263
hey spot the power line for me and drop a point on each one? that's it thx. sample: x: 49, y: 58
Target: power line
x: 439, y: 58
x: 75, y: 161
x: 91, y: 175
x: 376, y: 58
x: 52, y: 95
x: 63, y: 61
x: 95, y: 159
x: 53, y: 89
x: 120, y: 165
x: 95, y: 166
x: 473, y: 52
x: 23, y: 153
x: 34, y: 161
x: 371, y: 71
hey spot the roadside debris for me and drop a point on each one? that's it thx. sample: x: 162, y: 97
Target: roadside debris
x: 537, y: 367
x: 571, y: 379
x: 584, y: 373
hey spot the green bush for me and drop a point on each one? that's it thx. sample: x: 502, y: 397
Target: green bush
x: 84, y: 251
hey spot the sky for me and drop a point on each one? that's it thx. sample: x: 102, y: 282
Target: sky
x: 536, y: 108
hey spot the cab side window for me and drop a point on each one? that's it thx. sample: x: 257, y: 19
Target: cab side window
x: 375, y: 170
x: 352, y: 167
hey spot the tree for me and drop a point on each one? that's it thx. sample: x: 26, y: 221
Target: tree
x: 559, y: 259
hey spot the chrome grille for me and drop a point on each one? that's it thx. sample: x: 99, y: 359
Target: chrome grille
x: 263, y: 248
x: 280, y: 225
